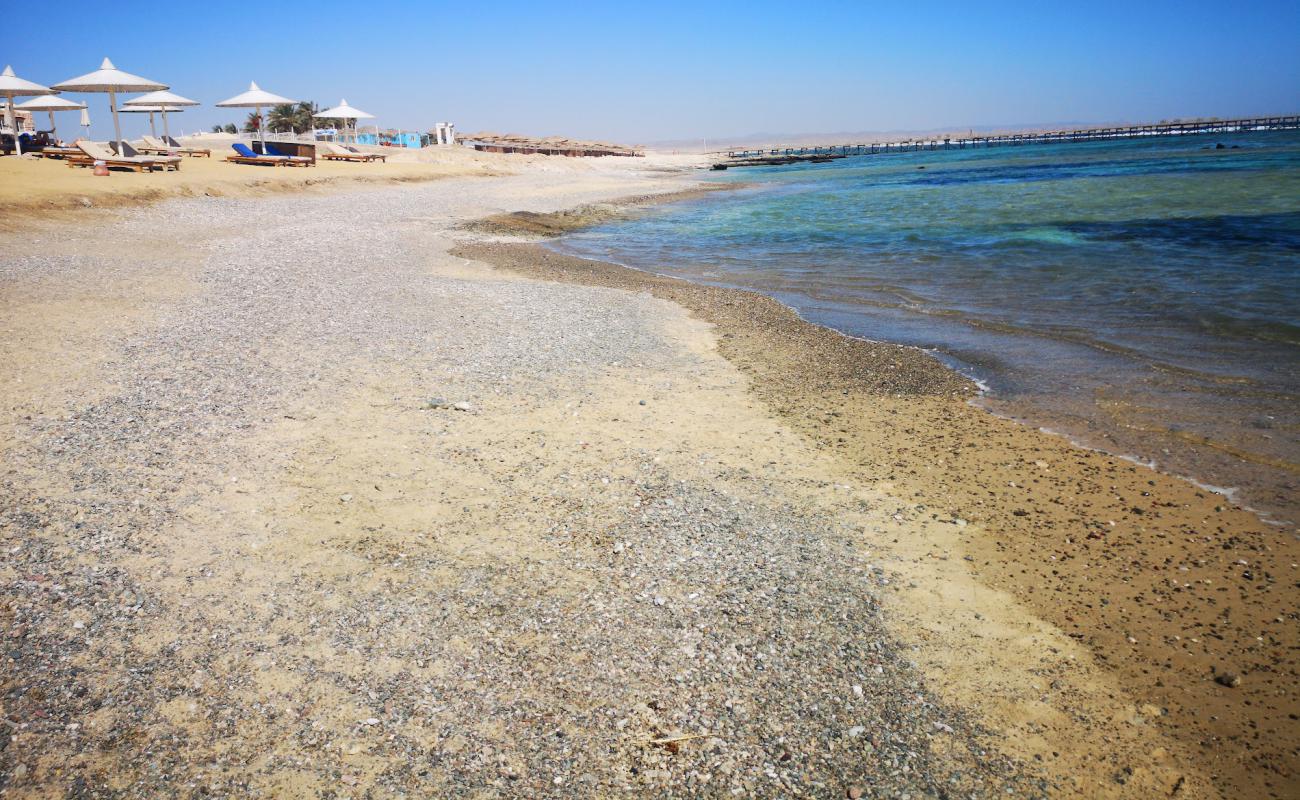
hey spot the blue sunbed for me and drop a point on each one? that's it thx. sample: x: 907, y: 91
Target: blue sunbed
x: 271, y: 150
x: 244, y: 155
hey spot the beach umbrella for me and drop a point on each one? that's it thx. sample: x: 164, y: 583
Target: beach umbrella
x: 256, y: 98
x: 150, y: 110
x: 125, y: 109
x: 164, y: 101
x: 85, y: 121
x: 345, y: 112
x: 112, y: 80
x: 50, y: 103
x: 12, y: 86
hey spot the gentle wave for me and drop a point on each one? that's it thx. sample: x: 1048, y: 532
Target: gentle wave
x: 1051, y: 274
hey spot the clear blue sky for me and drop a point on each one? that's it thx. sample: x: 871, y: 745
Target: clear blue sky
x: 677, y: 70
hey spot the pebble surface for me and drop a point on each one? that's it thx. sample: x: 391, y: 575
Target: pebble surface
x: 703, y: 637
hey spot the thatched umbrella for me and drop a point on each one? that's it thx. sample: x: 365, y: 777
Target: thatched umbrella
x: 50, y: 103
x: 150, y: 110
x: 163, y: 101
x: 12, y: 86
x: 256, y: 98
x: 344, y: 111
x: 112, y: 80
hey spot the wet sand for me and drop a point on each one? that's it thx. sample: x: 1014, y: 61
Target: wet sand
x: 1189, y: 601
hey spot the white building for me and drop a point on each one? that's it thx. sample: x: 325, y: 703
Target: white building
x: 444, y: 134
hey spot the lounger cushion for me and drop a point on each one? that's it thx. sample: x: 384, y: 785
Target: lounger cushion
x: 244, y: 151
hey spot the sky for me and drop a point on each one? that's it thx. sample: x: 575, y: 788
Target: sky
x: 660, y: 71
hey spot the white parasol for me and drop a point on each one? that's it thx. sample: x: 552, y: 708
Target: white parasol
x: 256, y: 98
x: 345, y: 111
x: 162, y: 101
x: 150, y: 110
x: 12, y: 86
x: 109, y: 78
x: 50, y: 103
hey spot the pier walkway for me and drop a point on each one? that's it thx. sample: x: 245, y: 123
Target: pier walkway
x: 796, y: 153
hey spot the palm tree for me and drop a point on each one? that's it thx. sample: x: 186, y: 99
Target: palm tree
x: 282, y: 117
x: 294, y: 116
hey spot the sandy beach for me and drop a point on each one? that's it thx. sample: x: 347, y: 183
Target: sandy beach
x: 380, y: 497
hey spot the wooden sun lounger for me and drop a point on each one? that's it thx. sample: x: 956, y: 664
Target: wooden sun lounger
x: 91, y: 152
x: 351, y: 157
x: 60, y: 152
x: 141, y: 165
x: 185, y: 151
x: 259, y: 160
x: 153, y: 145
x: 244, y: 155
x: 334, y: 152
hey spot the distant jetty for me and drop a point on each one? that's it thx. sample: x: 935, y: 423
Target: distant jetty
x: 797, y: 154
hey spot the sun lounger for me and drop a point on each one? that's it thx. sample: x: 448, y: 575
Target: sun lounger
x: 351, y: 149
x: 333, y: 152
x: 303, y: 161
x: 156, y: 145
x: 92, y: 152
x: 61, y: 152
x: 243, y: 155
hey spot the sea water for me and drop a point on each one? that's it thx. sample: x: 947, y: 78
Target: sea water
x: 1139, y: 296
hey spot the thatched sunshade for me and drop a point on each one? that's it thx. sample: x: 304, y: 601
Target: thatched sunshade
x: 164, y: 102
x: 50, y: 103
x: 150, y: 110
x: 112, y: 80
x: 345, y: 112
x: 256, y: 98
x: 12, y: 86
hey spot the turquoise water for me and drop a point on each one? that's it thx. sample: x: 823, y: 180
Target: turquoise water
x: 1139, y: 296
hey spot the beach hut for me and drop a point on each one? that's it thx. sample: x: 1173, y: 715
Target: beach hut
x: 163, y: 102
x: 12, y: 86
x: 112, y: 80
x: 345, y: 112
x: 256, y: 98
x: 50, y: 103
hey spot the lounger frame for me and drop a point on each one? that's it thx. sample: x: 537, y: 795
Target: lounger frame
x: 113, y: 163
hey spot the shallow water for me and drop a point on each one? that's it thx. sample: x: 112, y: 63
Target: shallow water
x: 1139, y: 296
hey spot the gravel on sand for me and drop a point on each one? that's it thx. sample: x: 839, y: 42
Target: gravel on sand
x: 188, y: 610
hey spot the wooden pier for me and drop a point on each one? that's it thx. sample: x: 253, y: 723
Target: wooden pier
x: 799, y: 154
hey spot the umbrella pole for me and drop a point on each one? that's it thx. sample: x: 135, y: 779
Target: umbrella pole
x: 13, y: 126
x: 153, y: 131
x: 52, y: 130
x: 117, y: 125
x: 167, y: 132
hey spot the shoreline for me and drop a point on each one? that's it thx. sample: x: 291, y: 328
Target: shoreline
x: 554, y: 226
x: 1248, y: 475
x: 1115, y: 508
x: 879, y: 465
